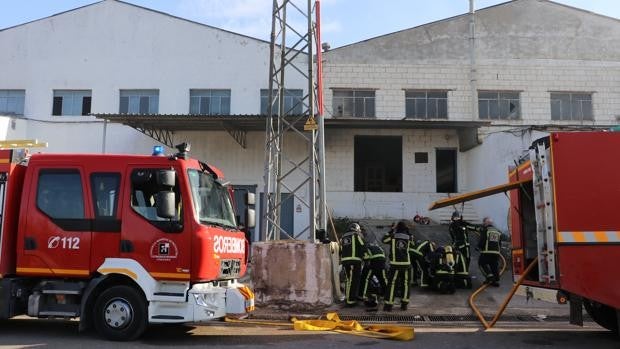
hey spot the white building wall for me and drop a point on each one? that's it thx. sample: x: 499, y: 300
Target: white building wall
x: 419, y: 180
x: 111, y: 46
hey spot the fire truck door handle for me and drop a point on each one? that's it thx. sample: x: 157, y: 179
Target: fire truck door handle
x: 30, y: 243
x: 126, y: 246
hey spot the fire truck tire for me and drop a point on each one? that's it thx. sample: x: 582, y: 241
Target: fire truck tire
x: 602, y: 314
x: 120, y: 313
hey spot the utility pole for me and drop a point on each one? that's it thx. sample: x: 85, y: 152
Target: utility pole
x: 292, y: 53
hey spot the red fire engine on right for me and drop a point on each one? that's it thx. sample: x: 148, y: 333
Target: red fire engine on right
x: 566, y: 214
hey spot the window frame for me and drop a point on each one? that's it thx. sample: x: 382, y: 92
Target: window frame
x: 293, y: 101
x: 354, y: 99
x: 93, y: 187
x: 152, y: 101
x: 68, y: 102
x: 169, y: 226
x: 17, y: 97
x: 223, y: 101
x: 427, y: 101
x: 63, y: 171
x: 498, y: 100
x: 571, y: 100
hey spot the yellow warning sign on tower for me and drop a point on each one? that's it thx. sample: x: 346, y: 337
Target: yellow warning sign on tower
x: 311, y: 124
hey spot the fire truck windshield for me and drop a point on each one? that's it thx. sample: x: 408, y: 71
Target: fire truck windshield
x: 212, y: 202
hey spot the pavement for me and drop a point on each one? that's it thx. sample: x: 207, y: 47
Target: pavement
x: 426, y: 304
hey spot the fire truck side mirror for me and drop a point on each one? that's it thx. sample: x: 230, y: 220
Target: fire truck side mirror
x: 250, y: 218
x: 166, y: 178
x: 250, y: 198
x: 250, y: 214
x: 165, y: 204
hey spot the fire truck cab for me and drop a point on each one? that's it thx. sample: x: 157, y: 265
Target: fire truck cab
x: 120, y: 241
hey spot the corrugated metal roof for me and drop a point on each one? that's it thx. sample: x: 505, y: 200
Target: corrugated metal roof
x: 252, y: 122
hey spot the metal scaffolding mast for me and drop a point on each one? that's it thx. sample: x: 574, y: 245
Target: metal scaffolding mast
x: 293, y: 36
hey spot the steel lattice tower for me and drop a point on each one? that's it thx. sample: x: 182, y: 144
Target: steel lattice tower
x: 294, y: 35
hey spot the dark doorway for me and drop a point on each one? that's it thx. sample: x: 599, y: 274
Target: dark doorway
x: 445, y: 169
x: 378, y: 164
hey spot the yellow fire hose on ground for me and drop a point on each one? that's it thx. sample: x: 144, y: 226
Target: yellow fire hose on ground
x: 332, y: 322
x: 506, y: 301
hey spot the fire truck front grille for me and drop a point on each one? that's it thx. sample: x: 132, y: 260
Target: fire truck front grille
x: 230, y: 268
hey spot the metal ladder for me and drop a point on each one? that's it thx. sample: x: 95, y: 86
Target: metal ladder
x: 543, y: 202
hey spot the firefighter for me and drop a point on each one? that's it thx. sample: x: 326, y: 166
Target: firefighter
x: 374, y: 269
x: 489, y: 246
x: 352, y: 250
x: 422, y: 250
x: 459, y: 229
x: 461, y: 273
x: 442, y: 270
x: 399, y: 241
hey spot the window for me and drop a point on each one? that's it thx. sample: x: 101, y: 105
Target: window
x: 426, y: 104
x: 354, y: 103
x: 139, y: 102
x: 292, y: 102
x: 71, y: 102
x: 144, y: 190
x: 12, y: 102
x: 212, y: 202
x: 378, y: 164
x: 571, y: 106
x: 499, y: 105
x: 59, y: 194
x: 105, y: 194
x: 445, y: 170
x: 421, y: 158
x: 209, y: 102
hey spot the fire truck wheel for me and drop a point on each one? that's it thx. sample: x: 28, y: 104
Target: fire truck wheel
x: 120, y: 313
x: 602, y: 315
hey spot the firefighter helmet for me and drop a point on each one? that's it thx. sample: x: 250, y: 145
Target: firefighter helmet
x: 355, y: 227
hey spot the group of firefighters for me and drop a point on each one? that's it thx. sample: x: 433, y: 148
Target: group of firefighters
x: 421, y: 262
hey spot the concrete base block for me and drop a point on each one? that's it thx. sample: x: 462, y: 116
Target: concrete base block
x: 291, y: 274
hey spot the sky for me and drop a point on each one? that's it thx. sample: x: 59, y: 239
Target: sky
x: 343, y: 21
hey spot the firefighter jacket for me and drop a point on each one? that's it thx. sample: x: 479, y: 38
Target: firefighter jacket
x: 400, y: 247
x: 423, y: 248
x: 374, y: 253
x: 490, y: 240
x: 352, y: 247
x: 458, y: 233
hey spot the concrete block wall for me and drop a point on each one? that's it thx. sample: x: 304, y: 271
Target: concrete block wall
x: 534, y: 79
x: 292, y: 274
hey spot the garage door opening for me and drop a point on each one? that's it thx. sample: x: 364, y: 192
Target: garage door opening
x: 378, y: 164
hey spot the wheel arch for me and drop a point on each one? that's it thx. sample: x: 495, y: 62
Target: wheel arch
x: 96, y: 287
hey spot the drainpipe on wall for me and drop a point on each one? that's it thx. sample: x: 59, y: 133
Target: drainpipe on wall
x: 472, y: 61
x: 105, y: 131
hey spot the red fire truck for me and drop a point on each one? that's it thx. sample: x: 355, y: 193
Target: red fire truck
x: 567, y: 215
x: 564, y: 200
x: 120, y: 241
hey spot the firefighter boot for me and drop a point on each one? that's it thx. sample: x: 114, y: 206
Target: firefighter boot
x: 387, y: 307
x: 403, y: 306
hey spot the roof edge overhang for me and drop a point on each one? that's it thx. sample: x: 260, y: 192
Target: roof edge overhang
x: 235, y: 124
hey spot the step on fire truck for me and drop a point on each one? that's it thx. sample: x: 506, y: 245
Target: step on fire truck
x: 565, y: 214
x: 120, y: 241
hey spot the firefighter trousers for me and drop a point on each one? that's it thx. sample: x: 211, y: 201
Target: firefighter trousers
x: 398, y: 284
x: 374, y: 268
x: 465, y: 252
x: 423, y: 271
x: 489, y: 265
x: 353, y: 273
